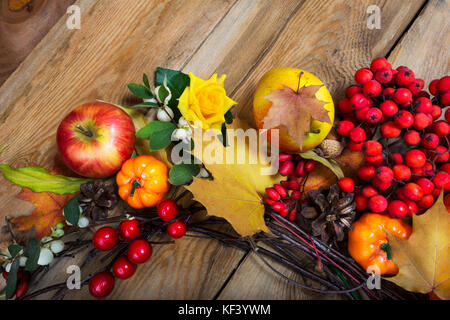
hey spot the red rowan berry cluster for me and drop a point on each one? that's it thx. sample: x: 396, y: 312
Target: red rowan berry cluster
x: 284, y: 197
x: 396, y: 124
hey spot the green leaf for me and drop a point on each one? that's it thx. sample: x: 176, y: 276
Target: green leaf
x: 72, y: 211
x: 158, y: 132
x: 140, y: 91
x: 223, y: 137
x: 176, y: 81
x: 228, y: 117
x: 182, y: 173
x: 12, y: 279
x: 32, y: 251
x: 14, y: 249
x: 145, y: 80
x: 40, y: 180
x: 145, y: 105
x: 329, y: 163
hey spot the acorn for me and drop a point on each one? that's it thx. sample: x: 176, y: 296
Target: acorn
x: 331, y: 148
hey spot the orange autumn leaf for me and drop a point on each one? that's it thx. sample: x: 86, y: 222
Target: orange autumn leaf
x: 49, y: 207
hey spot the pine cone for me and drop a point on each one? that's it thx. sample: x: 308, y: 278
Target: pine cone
x: 97, y: 198
x: 330, y: 213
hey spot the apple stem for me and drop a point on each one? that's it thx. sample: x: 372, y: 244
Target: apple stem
x: 85, y: 131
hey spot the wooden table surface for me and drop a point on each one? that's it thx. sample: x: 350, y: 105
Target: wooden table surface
x: 121, y: 39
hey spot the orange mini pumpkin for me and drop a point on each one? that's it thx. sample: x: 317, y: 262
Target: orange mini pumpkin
x: 368, y: 243
x: 142, y: 181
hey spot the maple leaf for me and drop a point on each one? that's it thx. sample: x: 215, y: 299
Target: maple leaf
x: 424, y: 259
x: 295, y: 109
x: 235, y: 193
x: 49, y: 207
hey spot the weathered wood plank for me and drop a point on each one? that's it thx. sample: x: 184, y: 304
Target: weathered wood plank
x: 330, y: 40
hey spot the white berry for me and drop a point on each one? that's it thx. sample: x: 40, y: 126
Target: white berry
x: 57, y: 246
x: 83, y: 222
x: 164, y: 114
x: 182, y: 122
x: 23, y: 261
x: 203, y: 173
x: 45, y: 257
x: 8, y: 267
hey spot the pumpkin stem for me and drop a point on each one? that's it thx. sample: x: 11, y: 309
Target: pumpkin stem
x: 387, y: 248
x: 133, y: 188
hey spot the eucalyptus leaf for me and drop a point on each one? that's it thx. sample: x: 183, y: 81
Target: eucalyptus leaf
x: 12, y: 279
x: 228, y: 117
x: 40, y: 180
x: 14, y: 249
x: 329, y: 163
x: 32, y: 251
x: 145, y: 80
x: 72, y: 211
x: 140, y: 91
x: 182, y: 173
x: 145, y: 105
x: 223, y: 136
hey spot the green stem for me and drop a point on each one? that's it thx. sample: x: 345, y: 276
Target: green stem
x: 133, y: 188
x: 387, y: 248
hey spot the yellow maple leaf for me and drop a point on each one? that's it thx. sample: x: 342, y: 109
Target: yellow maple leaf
x: 424, y: 259
x: 236, y: 191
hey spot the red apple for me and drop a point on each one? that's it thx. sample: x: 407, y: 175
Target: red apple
x: 95, y: 139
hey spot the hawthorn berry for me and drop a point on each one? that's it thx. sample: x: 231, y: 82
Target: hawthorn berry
x: 442, y: 180
x: 344, y: 127
x: 423, y: 105
x: 105, y: 238
x: 358, y: 102
x: 445, y: 167
x: 447, y: 115
x: 441, y: 128
x: 436, y: 112
x: 369, y: 191
x: 445, y: 99
x: 357, y: 135
x: 176, y: 229
x: 412, y: 208
x: 374, y: 115
x: 377, y: 204
x: 397, y: 158
x: 379, y: 63
x: 430, y: 141
x: 101, y: 284
x: 361, y: 114
x: 426, y: 185
x: 426, y: 201
x: 403, y: 119
x: 412, y: 191
x: 412, y: 137
x: 388, y: 93
x: 404, y: 77
x: 381, y: 185
x: 401, y: 172
x: 352, y: 90
x: 384, y: 75
x: 442, y: 155
x: 363, y: 76
x: 416, y: 85
x: 444, y: 84
x: 372, y: 148
x: 372, y: 89
x: 374, y: 160
x: 390, y: 130
x: 361, y: 203
x: 415, y: 158
x: 384, y: 174
x: 397, y: 209
x: 139, y: 251
x: 433, y: 87
x: 123, y: 268
x: 402, y: 96
x: 345, y: 106
x: 366, y: 172
x: 129, y: 229
x: 421, y: 121
x: 346, y: 184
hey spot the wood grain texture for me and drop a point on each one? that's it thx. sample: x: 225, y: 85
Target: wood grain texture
x: 21, y: 31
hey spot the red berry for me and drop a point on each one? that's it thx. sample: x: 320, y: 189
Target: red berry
x: 374, y: 115
x: 404, y: 77
x: 22, y: 288
x: 426, y: 201
x: 363, y: 76
x: 366, y: 173
x: 390, y: 130
x: 352, y: 90
x: 296, y: 195
x: 176, y: 229
x: 378, y: 204
x: 282, y: 157
x: 101, y: 284
x: 361, y: 203
x: 105, y: 239
x: 433, y: 87
x: 369, y: 191
x: 412, y: 137
x: 272, y: 193
x: 415, y: 158
x: 293, y: 215
x: 412, y: 208
x: 443, y: 156
x: 355, y: 146
x: 279, y: 206
x: 441, y: 128
x: 357, y: 135
x: 403, y: 119
x: 344, y: 127
x: 345, y: 106
x: 430, y: 141
x: 284, y: 212
x: 412, y: 191
x: 401, y: 172
x: 384, y: 174
x: 428, y: 169
x: 447, y: 115
x: 380, y: 185
x: 269, y: 201
x: 421, y: 121
x: 374, y: 160
x: 379, y: 63
x: 388, y: 108
x: 123, y: 268
x: 397, y: 158
x: 445, y: 167
x: 416, y: 86
x: 358, y: 102
x: 388, y: 93
x: 372, y: 89
x: 361, y: 114
x: 423, y: 105
x: 129, y: 229
x: 139, y: 251
x: 397, y: 209
x: 402, y: 96
x: 281, y: 191
x: 346, y: 184
x: 372, y: 148
x: 286, y: 168
x: 442, y: 180
x: 384, y: 75
x: 426, y: 185
x: 310, y: 165
x: 167, y: 210
x: 436, y: 112
x: 445, y: 99
x: 444, y: 84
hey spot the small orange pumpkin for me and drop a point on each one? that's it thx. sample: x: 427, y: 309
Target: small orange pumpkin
x: 368, y: 243
x: 142, y: 181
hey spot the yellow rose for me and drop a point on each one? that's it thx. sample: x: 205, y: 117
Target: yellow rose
x: 205, y: 102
